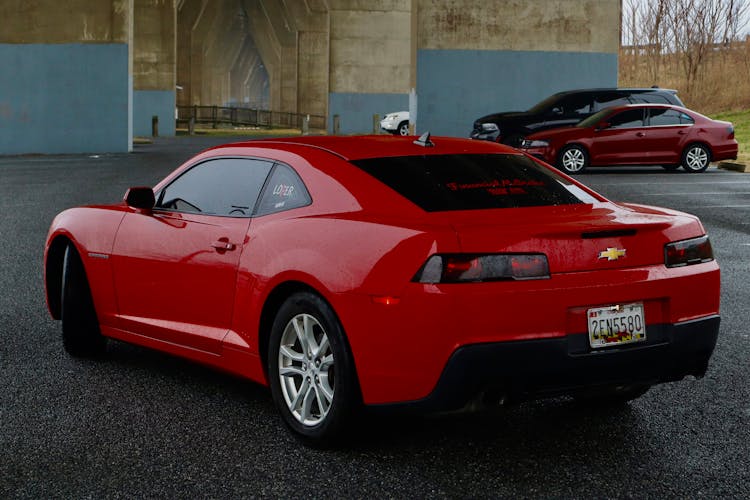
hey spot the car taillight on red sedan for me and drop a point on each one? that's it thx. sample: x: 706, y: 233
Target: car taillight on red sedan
x: 688, y: 252
x: 460, y: 268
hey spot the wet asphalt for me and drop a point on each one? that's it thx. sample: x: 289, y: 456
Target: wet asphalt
x: 140, y: 424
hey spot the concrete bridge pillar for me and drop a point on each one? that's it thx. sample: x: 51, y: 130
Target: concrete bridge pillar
x: 66, y: 82
x: 154, y: 65
x: 370, y: 60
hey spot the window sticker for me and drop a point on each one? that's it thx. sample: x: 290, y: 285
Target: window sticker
x: 498, y: 187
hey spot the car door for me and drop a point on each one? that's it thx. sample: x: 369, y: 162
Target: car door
x: 666, y: 134
x: 175, y: 267
x: 621, y: 141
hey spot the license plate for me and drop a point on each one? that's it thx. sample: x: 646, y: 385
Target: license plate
x: 615, y: 325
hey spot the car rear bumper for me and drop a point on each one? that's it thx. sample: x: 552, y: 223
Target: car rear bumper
x: 530, y: 369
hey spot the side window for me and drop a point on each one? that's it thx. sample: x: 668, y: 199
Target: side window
x: 283, y: 191
x: 225, y: 186
x: 575, y: 105
x: 609, y: 99
x: 686, y: 119
x: 630, y: 118
x: 664, y: 117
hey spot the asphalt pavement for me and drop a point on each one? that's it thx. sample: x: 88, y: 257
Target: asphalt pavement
x: 142, y: 424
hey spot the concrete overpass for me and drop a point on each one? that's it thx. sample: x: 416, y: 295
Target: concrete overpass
x: 87, y: 75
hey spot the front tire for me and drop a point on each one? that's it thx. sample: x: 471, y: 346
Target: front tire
x: 573, y: 159
x: 80, y: 327
x: 695, y: 158
x: 311, y: 371
x: 403, y: 128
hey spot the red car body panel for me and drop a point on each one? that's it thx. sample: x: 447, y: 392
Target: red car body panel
x: 646, y: 145
x: 158, y: 280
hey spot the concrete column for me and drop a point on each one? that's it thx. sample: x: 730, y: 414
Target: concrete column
x: 370, y: 63
x: 188, y: 14
x: 66, y: 86
x: 154, y: 65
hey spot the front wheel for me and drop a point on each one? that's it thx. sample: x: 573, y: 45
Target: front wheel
x: 311, y: 371
x: 695, y: 158
x: 573, y: 159
x: 80, y: 326
x: 403, y: 128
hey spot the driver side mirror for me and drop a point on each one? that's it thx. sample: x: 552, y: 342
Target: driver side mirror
x: 557, y: 110
x: 603, y: 125
x: 140, y: 197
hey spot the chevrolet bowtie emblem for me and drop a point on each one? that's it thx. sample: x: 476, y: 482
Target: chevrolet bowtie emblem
x: 612, y: 253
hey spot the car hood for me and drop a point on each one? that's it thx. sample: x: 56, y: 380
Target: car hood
x: 560, y: 133
x: 504, y: 117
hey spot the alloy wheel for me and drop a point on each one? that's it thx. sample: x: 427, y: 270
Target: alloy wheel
x: 696, y: 158
x: 573, y: 160
x: 306, y: 369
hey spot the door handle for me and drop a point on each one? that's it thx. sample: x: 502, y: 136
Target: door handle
x: 640, y: 134
x: 682, y: 132
x: 223, y: 244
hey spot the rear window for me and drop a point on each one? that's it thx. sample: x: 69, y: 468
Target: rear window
x: 471, y: 182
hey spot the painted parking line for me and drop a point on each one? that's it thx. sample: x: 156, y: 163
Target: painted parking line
x: 688, y: 193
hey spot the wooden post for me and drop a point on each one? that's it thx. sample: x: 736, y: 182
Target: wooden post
x: 376, y: 124
x: 336, y: 124
x: 155, y: 126
x: 306, y: 125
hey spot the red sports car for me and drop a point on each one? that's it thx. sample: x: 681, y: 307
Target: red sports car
x: 433, y: 274
x: 642, y: 134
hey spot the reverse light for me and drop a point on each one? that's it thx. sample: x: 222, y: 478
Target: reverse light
x: 688, y: 252
x: 461, y: 268
x: 537, y: 143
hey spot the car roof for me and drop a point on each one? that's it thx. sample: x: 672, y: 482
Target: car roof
x: 618, y: 89
x: 376, y: 146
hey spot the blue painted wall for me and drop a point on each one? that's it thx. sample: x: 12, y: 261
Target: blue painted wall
x: 356, y: 110
x: 455, y: 87
x: 146, y: 104
x: 64, y: 98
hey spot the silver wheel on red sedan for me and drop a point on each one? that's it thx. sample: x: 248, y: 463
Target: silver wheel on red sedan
x: 573, y: 159
x: 696, y: 158
x: 306, y: 369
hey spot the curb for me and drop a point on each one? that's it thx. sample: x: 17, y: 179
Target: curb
x: 737, y: 167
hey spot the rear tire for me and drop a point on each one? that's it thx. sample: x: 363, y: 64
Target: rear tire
x: 696, y: 158
x: 80, y: 327
x: 311, y: 371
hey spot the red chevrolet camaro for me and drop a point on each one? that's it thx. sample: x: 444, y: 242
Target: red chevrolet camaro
x: 642, y: 134
x: 433, y: 274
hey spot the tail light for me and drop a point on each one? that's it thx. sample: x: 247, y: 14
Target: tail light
x: 688, y: 252
x: 461, y: 268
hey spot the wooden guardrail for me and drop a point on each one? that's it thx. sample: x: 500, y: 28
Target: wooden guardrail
x: 248, y: 117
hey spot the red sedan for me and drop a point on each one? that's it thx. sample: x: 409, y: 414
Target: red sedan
x: 388, y: 272
x: 636, y: 135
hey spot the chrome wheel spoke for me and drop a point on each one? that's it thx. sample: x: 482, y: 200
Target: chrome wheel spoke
x: 291, y: 354
x: 307, y: 401
x: 291, y: 371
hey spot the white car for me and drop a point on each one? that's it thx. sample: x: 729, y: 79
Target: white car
x: 396, y: 123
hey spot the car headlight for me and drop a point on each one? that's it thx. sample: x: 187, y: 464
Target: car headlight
x: 536, y: 143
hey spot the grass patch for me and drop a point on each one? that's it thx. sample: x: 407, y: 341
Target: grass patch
x: 741, y: 121
x: 243, y: 131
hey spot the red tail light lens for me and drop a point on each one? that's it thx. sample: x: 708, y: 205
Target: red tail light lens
x: 461, y: 268
x: 688, y: 252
